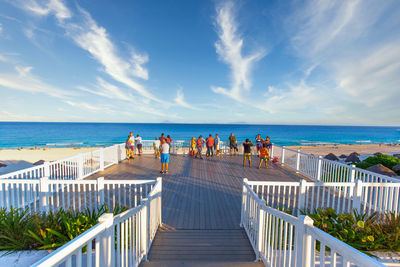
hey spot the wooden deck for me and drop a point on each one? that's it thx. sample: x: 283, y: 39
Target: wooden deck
x: 201, y: 203
x: 199, y: 194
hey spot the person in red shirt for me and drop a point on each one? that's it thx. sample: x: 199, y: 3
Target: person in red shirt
x: 210, y: 146
x: 199, y: 145
x: 264, y: 155
x: 162, y: 138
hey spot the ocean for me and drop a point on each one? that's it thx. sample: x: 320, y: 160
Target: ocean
x: 30, y: 134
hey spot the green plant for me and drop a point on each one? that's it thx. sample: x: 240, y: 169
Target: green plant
x: 385, y: 160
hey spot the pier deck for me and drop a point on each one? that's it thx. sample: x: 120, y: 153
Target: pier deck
x: 201, y: 205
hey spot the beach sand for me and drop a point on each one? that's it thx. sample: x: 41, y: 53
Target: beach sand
x: 24, y: 158
x: 363, y: 149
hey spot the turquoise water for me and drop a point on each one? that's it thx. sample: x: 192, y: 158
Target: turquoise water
x: 29, y: 134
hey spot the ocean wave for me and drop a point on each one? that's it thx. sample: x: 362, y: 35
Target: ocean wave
x: 363, y: 141
x: 64, y: 144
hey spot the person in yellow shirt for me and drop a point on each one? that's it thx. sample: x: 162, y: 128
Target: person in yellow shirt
x: 192, y: 146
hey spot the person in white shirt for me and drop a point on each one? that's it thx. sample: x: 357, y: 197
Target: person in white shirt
x: 138, y: 140
x: 156, y: 146
x: 164, y: 157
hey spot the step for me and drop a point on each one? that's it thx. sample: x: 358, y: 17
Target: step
x: 199, y: 264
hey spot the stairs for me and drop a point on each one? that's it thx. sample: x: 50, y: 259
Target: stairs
x: 173, y: 247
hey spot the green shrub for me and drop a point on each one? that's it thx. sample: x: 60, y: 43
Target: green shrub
x: 385, y: 160
x: 365, y: 233
x: 21, y: 230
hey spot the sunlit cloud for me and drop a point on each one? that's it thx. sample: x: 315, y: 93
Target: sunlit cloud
x: 180, y: 100
x: 229, y: 48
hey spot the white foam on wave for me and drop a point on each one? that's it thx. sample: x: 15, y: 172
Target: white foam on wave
x: 363, y: 141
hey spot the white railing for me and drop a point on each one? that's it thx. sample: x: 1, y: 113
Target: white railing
x: 319, y: 169
x: 121, y: 240
x: 50, y: 195
x: 306, y: 196
x: 280, y: 239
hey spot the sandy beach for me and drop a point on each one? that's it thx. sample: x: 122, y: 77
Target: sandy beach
x: 17, y: 159
x: 363, y: 149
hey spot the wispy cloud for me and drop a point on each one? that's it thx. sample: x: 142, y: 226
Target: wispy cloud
x: 180, y: 100
x: 88, y: 106
x: 108, y: 90
x: 23, y: 79
x: 10, y: 116
x: 55, y: 7
x: 230, y: 50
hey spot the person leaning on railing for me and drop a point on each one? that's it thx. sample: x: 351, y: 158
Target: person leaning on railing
x: 128, y: 148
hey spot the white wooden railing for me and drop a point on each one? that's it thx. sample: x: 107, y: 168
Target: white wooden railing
x: 50, y: 195
x: 121, y: 240
x: 280, y: 239
x: 320, y: 169
x: 306, y: 196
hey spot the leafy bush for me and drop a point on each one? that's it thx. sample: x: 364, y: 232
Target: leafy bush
x: 385, y: 160
x: 21, y: 230
x: 365, y: 233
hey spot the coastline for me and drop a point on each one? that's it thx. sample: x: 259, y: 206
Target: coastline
x: 362, y: 149
x: 18, y: 159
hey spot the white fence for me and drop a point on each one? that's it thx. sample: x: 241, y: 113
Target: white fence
x: 280, y: 239
x: 319, y: 169
x: 344, y: 197
x: 50, y: 195
x: 121, y: 240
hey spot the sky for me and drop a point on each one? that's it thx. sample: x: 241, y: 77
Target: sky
x: 260, y: 62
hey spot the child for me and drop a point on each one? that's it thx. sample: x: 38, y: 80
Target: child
x: 192, y: 146
x: 264, y: 156
x: 156, y: 146
x: 128, y: 148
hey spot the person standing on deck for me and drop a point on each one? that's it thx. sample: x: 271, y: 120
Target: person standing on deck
x: 128, y: 148
x: 259, y: 144
x: 247, y: 152
x: 210, y: 146
x: 162, y: 138
x: 216, y: 145
x: 192, y: 147
x: 233, y: 144
x: 169, y: 141
x: 199, y: 144
x: 139, y: 144
x: 156, y: 147
x: 264, y: 156
x: 268, y: 144
x: 132, y: 138
x: 164, y: 157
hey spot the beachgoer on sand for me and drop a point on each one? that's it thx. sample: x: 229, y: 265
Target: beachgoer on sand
x: 210, y: 146
x: 164, y: 157
x: 217, y: 142
x: 139, y: 144
x: 128, y: 148
x: 192, y: 147
x: 233, y: 144
x: 156, y: 147
x: 264, y: 156
x: 199, y: 145
x: 132, y: 138
x: 247, y: 152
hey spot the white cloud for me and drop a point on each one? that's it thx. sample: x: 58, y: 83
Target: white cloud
x: 55, y: 7
x: 230, y: 50
x: 180, y: 100
x: 1, y: 28
x: 108, y: 90
x: 10, y: 116
x: 24, y: 80
x: 88, y: 106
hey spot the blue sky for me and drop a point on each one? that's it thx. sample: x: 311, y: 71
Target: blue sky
x: 267, y: 62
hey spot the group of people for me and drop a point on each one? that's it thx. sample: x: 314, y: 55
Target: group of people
x: 131, y: 143
x: 162, y: 146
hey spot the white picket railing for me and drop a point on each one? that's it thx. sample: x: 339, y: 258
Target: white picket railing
x: 280, y: 239
x: 306, y: 196
x: 121, y: 240
x: 50, y: 195
x: 319, y: 169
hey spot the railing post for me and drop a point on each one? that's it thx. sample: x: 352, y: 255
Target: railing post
x: 298, y: 162
x: 46, y: 166
x: 101, y: 159
x: 244, y: 197
x: 352, y: 173
x: 159, y: 208
x: 302, y: 196
x: 319, y: 169
x: 283, y: 156
x: 80, y: 166
x: 261, y: 228
x: 144, y: 231
x: 100, y: 191
x: 304, y: 242
x: 107, y: 252
x: 357, y: 195
x: 272, y: 152
x: 43, y: 194
x: 119, y: 152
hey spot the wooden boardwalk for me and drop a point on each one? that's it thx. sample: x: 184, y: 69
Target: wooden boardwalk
x: 199, y: 194
x: 201, y: 203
